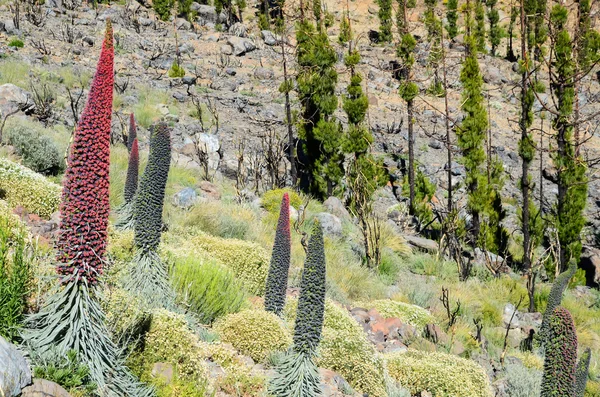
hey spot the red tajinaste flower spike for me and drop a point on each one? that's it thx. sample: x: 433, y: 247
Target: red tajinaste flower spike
x: 132, y: 132
x: 85, y: 204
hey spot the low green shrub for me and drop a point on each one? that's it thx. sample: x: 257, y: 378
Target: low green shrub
x: 176, y: 70
x: 522, y: 381
x: 438, y: 373
x: 592, y: 389
x: 16, y: 273
x: 124, y: 312
x: 20, y: 186
x: 221, y: 220
x: 411, y: 314
x: 37, y: 151
x: 271, y: 200
x: 206, y: 287
x: 163, y: 8
x: 255, y: 333
x: 67, y: 371
x: 248, y: 261
x: 16, y: 43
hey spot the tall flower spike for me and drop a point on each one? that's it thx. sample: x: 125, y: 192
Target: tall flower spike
x: 311, y: 305
x: 561, y: 356
x: 132, y: 132
x: 131, y: 183
x: 277, y: 278
x: 85, y: 204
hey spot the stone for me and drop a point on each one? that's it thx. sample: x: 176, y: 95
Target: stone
x: 189, y: 80
x: 336, y: 207
x: 88, y: 40
x: 209, y: 190
x: 293, y: 214
x: 207, y: 14
x: 493, y: 75
x: 238, y: 29
x: 13, y: 98
x: 44, y: 388
x: 374, y: 315
x: 147, y: 22
x: 435, y: 144
x: 332, y: 225
x: 457, y: 169
x: 230, y: 71
x: 389, y: 327
x: 590, y: 263
x: 9, y: 27
x: 182, y: 24
x: 241, y: 45
x: 270, y: 38
x: 14, y: 370
x: 185, y: 198
x: 406, y: 333
x: 509, y: 309
x: 422, y: 243
x: 226, y: 49
x: 262, y: 73
x: 164, y: 371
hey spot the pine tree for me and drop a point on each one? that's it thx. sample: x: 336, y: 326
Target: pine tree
x: 479, y: 32
x: 572, y: 182
x: 72, y: 318
x: 495, y: 30
x: 385, y: 21
x: 148, y: 277
x: 434, y: 37
x: 540, y: 33
x: 345, y: 32
x: 471, y: 134
x: 321, y: 136
x: 452, y: 18
x: 277, y: 278
x: 561, y: 356
x: 297, y: 375
x: 510, y: 53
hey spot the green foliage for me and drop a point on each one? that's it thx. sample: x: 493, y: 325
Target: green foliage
x: 176, y: 70
x: 407, y: 313
x: 581, y: 373
x: 16, y: 273
x: 479, y: 33
x: 424, y: 192
x: 221, y: 220
x: 184, y: 9
x: 385, y: 20
x: 20, y: 186
x: 16, y: 43
x: 271, y: 199
x: 163, y: 8
x: 522, y: 381
x: 439, y: 373
x: 495, y: 32
x: 206, y: 287
x: 248, y: 261
x: 321, y: 136
x: 561, y: 355
x: 297, y: 376
x: 37, y: 150
x: 124, y: 313
x: 255, y: 333
x: 345, y: 32
x: 66, y: 371
x: 311, y: 305
x: 452, y: 18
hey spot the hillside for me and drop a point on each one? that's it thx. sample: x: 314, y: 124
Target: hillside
x: 165, y: 294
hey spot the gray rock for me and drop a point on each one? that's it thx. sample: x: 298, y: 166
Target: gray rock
x: 264, y: 73
x: 457, y: 169
x: 207, y: 14
x: 182, y: 24
x: 231, y: 71
x: 88, y: 40
x: 145, y: 21
x: 189, y: 80
x: 509, y: 309
x: 14, y: 370
x: 421, y: 243
x: 186, y: 198
x: 13, y: 98
x: 336, y: 207
x: 44, y: 388
x: 270, y: 38
x: 226, y: 49
x: 186, y: 48
x: 238, y: 29
x: 435, y: 144
x: 9, y: 27
x: 241, y: 45
x: 332, y: 225
x: 493, y: 75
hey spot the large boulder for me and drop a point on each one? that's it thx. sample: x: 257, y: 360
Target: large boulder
x: 44, y: 388
x: 13, y: 98
x: 336, y: 207
x: 241, y: 45
x: 590, y: 263
x: 332, y: 225
x: 185, y: 198
x: 14, y: 370
x: 238, y: 29
x: 207, y: 14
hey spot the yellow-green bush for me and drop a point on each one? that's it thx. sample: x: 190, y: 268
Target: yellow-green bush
x: 120, y: 244
x: 123, y: 310
x: 530, y: 360
x: 255, y: 333
x: 345, y: 349
x: 248, y: 261
x: 411, y: 314
x: 9, y: 220
x: 271, y: 200
x: 170, y: 340
x: 441, y: 374
x: 20, y: 186
x: 592, y: 389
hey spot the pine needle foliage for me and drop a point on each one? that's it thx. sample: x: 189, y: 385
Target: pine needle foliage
x: 385, y: 21
x: 452, y: 18
x: 561, y: 356
x: 277, y: 278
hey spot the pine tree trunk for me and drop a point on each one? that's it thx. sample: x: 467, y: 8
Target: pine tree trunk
x: 561, y: 129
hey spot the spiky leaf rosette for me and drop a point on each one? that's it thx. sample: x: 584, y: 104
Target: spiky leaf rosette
x: 581, y: 373
x: 311, y: 305
x: 131, y: 182
x: 85, y: 205
x: 277, y: 278
x: 149, y: 279
x: 132, y: 132
x: 555, y: 297
x: 149, y: 201
x: 73, y: 320
x: 297, y: 376
x: 561, y: 356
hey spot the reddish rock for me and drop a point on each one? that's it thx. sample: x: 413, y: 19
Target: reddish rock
x: 374, y: 315
x: 209, y: 190
x: 434, y: 333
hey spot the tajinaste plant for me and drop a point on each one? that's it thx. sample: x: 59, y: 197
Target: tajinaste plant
x: 72, y: 318
x: 277, y: 278
x: 132, y: 132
